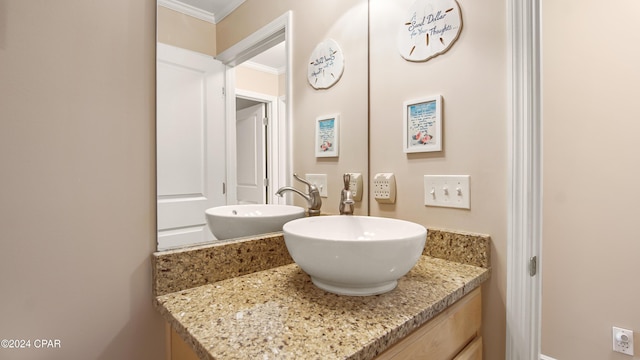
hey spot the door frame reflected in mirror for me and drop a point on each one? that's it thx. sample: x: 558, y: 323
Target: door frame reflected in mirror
x: 248, y: 165
x: 279, y: 154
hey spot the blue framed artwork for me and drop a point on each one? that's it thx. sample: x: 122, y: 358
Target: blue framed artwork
x: 422, y: 124
x: 327, y: 135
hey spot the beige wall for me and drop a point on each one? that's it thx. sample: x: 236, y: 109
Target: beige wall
x: 348, y: 26
x: 186, y: 31
x: 77, y: 155
x: 77, y: 190
x: 257, y: 81
x: 471, y: 77
x: 591, y: 123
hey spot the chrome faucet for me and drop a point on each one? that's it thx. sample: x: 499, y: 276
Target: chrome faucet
x: 313, y: 197
x: 346, y: 197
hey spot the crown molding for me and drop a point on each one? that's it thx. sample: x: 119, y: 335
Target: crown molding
x: 197, y: 13
x: 188, y: 10
x: 231, y: 6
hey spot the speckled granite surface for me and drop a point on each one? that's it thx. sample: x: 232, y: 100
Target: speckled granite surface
x: 279, y: 314
x: 182, y: 269
x: 463, y: 247
x: 246, y: 299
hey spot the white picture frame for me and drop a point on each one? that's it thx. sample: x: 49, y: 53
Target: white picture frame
x: 327, y: 139
x: 422, y: 124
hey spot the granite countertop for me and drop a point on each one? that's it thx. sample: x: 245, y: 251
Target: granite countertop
x: 278, y: 313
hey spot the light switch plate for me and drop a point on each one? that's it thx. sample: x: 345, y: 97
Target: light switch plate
x: 355, y: 186
x: 447, y: 191
x: 320, y: 181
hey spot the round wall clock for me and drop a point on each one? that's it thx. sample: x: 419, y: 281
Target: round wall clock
x: 429, y: 29
x: 326, y: 65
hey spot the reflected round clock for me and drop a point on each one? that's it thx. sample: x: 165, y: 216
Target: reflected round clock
x: 430, y: 28
x: 326, y: 65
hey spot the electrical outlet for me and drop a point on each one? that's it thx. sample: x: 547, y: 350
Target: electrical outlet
x: 355, y: 186
x: 623, y: 341
x: 384, y: 188
x: 320, y: 181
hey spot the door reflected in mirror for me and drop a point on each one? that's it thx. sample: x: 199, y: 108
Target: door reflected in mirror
x: 189, y: 128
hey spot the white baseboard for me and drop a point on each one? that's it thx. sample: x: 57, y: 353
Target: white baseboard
x: 545, y: 357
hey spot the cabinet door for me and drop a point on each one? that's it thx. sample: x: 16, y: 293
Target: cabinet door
x: 179, y: 350
x: 473, y: 351
x: 444, y: 336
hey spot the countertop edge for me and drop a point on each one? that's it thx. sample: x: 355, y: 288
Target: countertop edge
x: 370, y: 351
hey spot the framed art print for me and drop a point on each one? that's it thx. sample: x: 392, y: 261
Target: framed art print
x: 422, y: 124
x: 327, y: 135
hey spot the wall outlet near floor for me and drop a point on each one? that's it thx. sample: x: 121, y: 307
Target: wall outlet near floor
x: 447, y: 191
x: 623, y: 341
x: 384, y: 188
x: 320, y: 181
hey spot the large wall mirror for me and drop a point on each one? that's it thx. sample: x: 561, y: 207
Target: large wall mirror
x: 213, y: 148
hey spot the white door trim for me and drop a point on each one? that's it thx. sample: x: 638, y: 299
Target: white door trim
x: 273, y: 148
x: 525, y: 195
x: 544, y: 357
x: 269, y: 35
x: 275, y: 32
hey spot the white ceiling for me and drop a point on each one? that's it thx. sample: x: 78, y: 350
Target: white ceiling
x: 273, y: 58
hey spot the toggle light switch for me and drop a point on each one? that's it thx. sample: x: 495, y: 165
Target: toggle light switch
x: 320, y: 181
x: 355, y: 186
x: 447, y: 191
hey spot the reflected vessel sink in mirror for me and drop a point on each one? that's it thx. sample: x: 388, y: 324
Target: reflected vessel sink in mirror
x: 355, y: 255
x: 232, y: 221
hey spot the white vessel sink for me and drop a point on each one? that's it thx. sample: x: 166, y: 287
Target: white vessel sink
x: 232, y: 221
x: 354, y: 255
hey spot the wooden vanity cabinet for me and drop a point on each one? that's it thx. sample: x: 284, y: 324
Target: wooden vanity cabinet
x: 176, y: 348
x: 453, y: 334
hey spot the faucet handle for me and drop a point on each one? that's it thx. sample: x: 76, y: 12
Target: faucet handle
x: 304, y: 181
